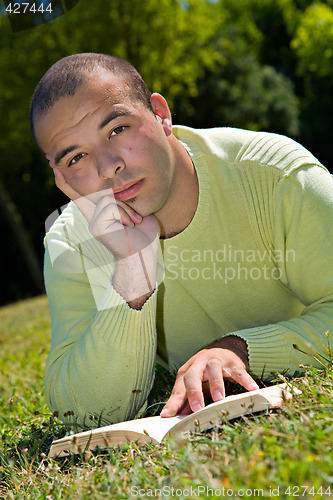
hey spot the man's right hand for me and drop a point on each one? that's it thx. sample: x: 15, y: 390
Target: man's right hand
x: 133, y: 240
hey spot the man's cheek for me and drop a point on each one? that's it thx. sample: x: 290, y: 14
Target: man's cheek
x: 75, y: 179
x: 85, y: 185
x: 72, y: 179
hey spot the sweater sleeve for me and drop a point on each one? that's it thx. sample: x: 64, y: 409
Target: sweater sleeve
x: 101, y: 363
x: 303, y: 233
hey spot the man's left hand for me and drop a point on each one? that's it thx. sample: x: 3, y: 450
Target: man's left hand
x: 225, y: 359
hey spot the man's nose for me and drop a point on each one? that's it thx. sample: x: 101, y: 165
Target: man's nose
x: 109, y: 164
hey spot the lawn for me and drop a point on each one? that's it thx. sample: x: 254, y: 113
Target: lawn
x: 286, y: 453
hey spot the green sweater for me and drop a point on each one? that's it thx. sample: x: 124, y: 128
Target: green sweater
x: 256, y: 262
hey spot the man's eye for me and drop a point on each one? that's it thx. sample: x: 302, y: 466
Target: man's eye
x: 117, y: 130
x: 76, y: 158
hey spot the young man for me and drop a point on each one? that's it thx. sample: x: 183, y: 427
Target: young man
x: 244, y: 225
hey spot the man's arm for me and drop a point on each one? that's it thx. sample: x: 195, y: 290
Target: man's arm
x: 101, y: 363
x: 303, y: 235
x: 103, y: 307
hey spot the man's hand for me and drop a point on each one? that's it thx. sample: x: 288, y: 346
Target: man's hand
x: 133, y: 240
x: 106, y: 215
x: 226, y: 358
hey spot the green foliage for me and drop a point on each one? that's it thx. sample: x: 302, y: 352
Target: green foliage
x: 246, y: 95
x: 312, y: 45
x: 313, y: 41
x: 289, y: 447
x: 243, y: 91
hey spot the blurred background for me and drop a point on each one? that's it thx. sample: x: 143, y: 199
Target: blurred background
x: 255, y: 64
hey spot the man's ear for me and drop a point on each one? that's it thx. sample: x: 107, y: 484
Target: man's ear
x: 162, y: 112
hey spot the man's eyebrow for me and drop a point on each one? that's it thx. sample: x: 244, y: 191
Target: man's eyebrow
x: 63, y: 153
x: 112, y: 116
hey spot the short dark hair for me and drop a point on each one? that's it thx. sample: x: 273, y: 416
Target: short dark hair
x: 67, y: 75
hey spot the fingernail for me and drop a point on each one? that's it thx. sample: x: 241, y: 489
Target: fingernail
x: 138, y: 216
x: 196, y: 406
x: 217, y: 395
x: 165, y: 413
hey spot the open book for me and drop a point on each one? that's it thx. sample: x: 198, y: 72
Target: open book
x: 156, y: 429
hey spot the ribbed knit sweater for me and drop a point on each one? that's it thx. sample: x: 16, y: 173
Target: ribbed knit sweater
x: 256, y: 261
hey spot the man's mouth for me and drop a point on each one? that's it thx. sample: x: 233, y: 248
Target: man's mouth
x: 128, y: 191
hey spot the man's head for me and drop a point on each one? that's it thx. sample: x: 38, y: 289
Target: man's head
x: 67, y: 75
x: 99, y: 126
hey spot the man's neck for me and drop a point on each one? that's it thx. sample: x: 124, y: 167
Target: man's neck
x: 181, y: 208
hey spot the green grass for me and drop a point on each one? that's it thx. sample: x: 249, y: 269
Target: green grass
x: 262, y: 455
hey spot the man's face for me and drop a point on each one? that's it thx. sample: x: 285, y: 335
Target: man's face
x: 103, y: 139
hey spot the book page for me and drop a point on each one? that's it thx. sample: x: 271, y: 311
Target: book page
x: 149, y: 429
x: 155, y: 427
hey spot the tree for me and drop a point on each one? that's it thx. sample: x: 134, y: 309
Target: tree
x: 313, y: 46
x: 242, y: 90
x: 246, y: 95
x: 313, y: 42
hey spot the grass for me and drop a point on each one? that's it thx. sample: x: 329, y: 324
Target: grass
x: 287, y: 453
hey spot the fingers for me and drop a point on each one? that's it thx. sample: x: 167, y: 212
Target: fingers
x: 242, y: 377
x: 189, y: 386
x: 210, y: 366
x: 215, y: 379
x: 92, y: 205
x: 206, y: 370
x: 107, y: 212
x: 177, y: 399
x: 121, y: 212
x: 150, y: 225
x: 193, y: 384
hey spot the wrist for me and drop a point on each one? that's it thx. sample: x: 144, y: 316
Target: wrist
x: 134, y: 279
x: 235, y: 344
